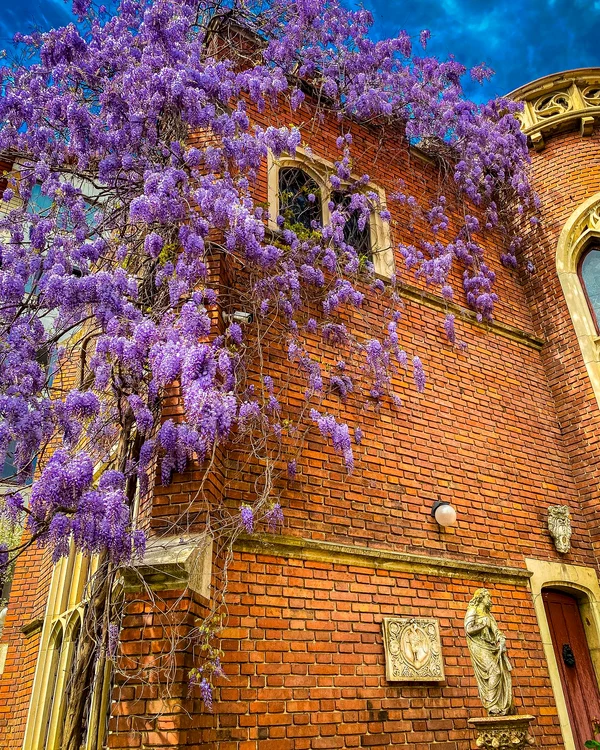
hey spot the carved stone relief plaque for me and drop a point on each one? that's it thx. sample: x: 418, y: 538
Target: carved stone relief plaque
x: 413, y: 650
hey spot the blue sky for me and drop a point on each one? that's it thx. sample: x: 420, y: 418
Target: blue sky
x: 520, y: 39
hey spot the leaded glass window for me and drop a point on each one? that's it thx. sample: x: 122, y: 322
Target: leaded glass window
x: 589, y: 273
x: 360, y: 239
x: 299, y: 197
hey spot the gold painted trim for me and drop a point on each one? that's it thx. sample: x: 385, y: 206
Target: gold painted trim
x: 3, y: 654
x: 319, y: 168
x: 64, y: 603
x: 559, y: 102
x: 172, y: 563
x: 582, y: 227
x: 379, y: 559
x: 33, y: 627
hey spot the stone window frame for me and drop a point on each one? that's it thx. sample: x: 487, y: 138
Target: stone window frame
x: 582, y: 583
x: 581, y: 233
x: 590, y: 249
x: 318, y: 169
x: 65, y: 606
x: 64, y: 613
x: 62, y: 647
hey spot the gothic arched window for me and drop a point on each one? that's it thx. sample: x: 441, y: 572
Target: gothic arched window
x: 299, y: 197
x: 589, y: 275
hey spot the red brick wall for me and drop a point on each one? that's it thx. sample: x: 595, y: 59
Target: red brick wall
x: 485, y: 434
x: 27, y: 604
x: 305, y: 659
x: 304, y: 652
x: 154, y: 707
x: 502, y: 431
x: 566, y: 173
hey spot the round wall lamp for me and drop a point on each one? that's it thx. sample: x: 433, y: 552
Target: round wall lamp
x: 444, y: 513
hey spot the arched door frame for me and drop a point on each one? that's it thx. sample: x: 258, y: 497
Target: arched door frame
x: 583, y: 584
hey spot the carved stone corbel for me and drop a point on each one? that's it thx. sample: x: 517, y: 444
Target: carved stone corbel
x: 503, y: 732
x: 559, y: 526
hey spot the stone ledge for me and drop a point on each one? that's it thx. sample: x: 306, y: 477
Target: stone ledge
x: 369, y: 557
x: 422, y: 296
x: 503, y: 732
x: 32, y: 627
x: 171, y: 563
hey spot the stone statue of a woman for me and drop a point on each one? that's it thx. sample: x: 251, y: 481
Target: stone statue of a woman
x: 488, y: 654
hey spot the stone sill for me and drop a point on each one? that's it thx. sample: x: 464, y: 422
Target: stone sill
x: 369, y: 557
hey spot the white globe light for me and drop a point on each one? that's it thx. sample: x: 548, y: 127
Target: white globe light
x: 445, y: 515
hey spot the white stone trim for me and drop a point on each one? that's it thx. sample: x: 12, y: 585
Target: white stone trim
x: 172, y: 562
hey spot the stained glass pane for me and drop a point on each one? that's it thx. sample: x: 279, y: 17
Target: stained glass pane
x: 299, y: 197
x: 360, y: 239
x: 590, y: 275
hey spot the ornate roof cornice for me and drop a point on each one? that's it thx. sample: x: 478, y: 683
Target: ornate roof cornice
x: 559, y: 102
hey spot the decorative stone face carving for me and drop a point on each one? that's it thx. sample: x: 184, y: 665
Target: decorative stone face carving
x: 413, y: 650
x: 559, y: 526
x: 487, y: 646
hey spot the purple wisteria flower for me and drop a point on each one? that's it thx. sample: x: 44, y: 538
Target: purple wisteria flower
x: 113, y: 639
x: 274, y: 517
x: 449, y: 328
x: 133, y: 285
x: 206, y: 693
x: 339, y: 434
x: 419, y: 374
x: 247, y: 518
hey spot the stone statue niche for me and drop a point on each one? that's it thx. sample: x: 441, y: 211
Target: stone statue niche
x: 559, y: 526
x: 502, y: 728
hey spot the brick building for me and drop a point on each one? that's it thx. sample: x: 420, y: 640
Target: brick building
x: 506, y: 427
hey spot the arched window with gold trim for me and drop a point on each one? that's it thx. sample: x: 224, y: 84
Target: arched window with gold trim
x: 66, y: 641
x: 52, y: 675
x: 54, y: 671
x: 589, y: 275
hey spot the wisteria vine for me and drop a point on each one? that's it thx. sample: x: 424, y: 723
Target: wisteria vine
x: 131, y: 151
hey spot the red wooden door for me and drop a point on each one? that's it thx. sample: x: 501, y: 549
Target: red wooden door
x: 574, y: 663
